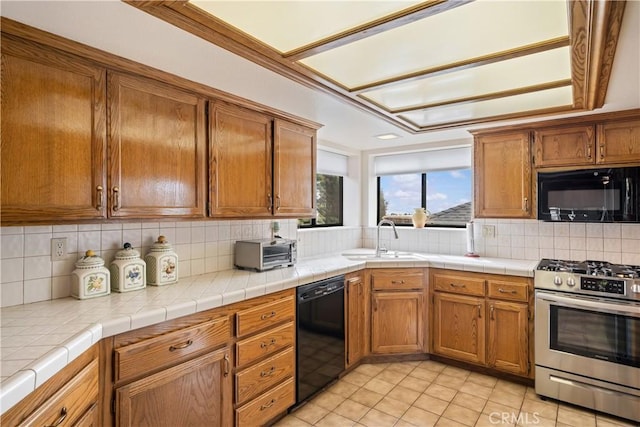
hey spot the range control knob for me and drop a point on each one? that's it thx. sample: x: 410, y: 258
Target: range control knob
x: 557, y: 280
x: 635, y: 288
x: 571, y: 281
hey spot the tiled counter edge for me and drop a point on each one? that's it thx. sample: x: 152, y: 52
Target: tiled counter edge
x: 94, y: 319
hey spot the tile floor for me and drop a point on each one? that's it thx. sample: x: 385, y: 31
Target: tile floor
x: 429, y: 393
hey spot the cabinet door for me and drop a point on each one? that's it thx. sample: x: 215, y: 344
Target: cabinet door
x: 565, y: 146
x: 508, y: 337
x: 355, y: 319
x: 241, y: 162
x: 194, y: 393
x: 397, y: 322
x: 619, y: 142
x: 294, y: 170
x: 502, y: 174
x: 53, y: 136
x: 459, y: 327
x: 156, y: 150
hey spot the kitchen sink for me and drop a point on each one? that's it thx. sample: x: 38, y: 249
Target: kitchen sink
x: 391, y: 255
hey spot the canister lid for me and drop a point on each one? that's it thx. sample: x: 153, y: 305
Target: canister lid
x: 128, y: 252
x: 162, y: 244
x: 90, y: 259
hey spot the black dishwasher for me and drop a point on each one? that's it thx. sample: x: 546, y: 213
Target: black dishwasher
x: 319, y: 335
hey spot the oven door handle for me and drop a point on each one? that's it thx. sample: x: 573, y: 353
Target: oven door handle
x: 583, y: 303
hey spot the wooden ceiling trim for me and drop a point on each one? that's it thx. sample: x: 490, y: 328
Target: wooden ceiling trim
x: 466, y: 64
x: 594, y: 31
x: 488, y: 119
x: 484, y: 96
x: 389, y: 22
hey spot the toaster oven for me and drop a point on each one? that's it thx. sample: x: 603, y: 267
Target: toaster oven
x: 264, y: 254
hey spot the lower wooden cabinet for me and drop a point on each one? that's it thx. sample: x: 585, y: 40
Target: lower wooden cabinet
x: 459, y: 327
x: 397, y: 311
x: 483, y: 319
x: 69, y: 398
x: 355, y: 318
x: 194, y: 393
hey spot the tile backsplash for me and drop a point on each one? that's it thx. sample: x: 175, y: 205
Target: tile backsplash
x: 28, y: 275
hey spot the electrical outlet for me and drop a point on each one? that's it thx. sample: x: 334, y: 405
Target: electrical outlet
x: 58, y: 248
x: 489, y: 231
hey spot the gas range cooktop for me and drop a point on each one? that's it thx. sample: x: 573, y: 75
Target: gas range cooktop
x: 597, y: 278
x: 591, y: 268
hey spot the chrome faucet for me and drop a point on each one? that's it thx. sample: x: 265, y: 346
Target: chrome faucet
x: 379, y: 250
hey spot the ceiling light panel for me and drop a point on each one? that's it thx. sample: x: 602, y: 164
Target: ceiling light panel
x: 531, y: 70
x: 287, y: 25
x: 472, y: 30
x: 551, y: 98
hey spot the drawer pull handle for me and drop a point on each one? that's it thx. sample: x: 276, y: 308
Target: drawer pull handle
x: 268, y: 372
x: 268, y: 404
x: 268, y: 316
x: 397, y: 282
x: 181, y: 346
x: 63, y: 416
x: 455, y: 285
x: 265, y: 345
x: 504, y: 291
x: 227, y: 365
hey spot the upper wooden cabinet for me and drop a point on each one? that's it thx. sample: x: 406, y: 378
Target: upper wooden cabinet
x: 619, y: 142
x: 502, y: 175
x: 294, y: 170
x: 241, y: 162
x: 565, y: 146
x: 260, y: 167
x: 157, y: 149
x: 53, y: 136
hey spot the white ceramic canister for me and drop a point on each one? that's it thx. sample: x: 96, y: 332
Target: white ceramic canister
x: 162, y: 263
x: 128, y: 270
x: 91, y: 278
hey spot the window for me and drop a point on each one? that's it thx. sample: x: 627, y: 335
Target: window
x: 331, y: 168
x: 445, y: 194
x: 328, y: 202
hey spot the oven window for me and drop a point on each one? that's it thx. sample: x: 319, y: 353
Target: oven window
x: 603, y: 336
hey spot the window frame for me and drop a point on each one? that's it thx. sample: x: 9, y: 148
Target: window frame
x: 313, y: 223
x: 423, y: 201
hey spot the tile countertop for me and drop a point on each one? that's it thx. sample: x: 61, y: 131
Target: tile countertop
x: 38, y: 340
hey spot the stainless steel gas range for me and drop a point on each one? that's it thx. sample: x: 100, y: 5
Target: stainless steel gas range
x: 587, y: 335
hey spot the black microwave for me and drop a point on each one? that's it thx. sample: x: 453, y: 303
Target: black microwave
x: 590, y: 195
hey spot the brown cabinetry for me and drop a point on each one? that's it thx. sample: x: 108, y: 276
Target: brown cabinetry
x: 53, y: 136
x: 564, y: 146
x: 483, y: 319
x: 157, y: 150
x: 260, y: 167
x: 265, y: 360
x: 355, y: 318
x: 397, y: 310
x: 502, y: 175
x: 619, y: 142
x: 174, y: 374
x: 69, y: 398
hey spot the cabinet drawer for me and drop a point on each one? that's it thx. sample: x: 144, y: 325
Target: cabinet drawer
x: 508, y: 290
x: 264, y: 408
x: 401, y: 278
x: 256, y: 379
x: 71, y: 402
x: 266, y: 343
x: 171, y: 348
x: 265, y: 315
x: 458, y: 284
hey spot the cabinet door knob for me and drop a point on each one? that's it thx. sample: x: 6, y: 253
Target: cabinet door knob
x: 589, y: 152
x: 492, y: 318
x: 227, y: 365
x: 277, y: 203
x: 602, y: 151
x: 116, y: 199
x: 479, y: 311
x: 526, y: 204
x: 269, y: 202
x: 99, y: 192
